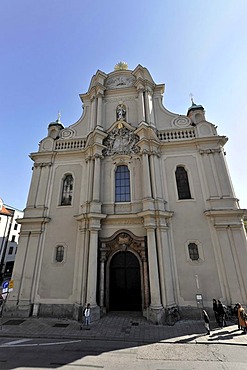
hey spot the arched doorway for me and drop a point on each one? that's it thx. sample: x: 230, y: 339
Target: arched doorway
x: 125, y: 282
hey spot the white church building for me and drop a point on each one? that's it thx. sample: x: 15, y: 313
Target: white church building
x: 131, y: 208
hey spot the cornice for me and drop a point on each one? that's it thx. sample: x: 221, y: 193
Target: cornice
x: 33, y: 220
x: 225, y: 212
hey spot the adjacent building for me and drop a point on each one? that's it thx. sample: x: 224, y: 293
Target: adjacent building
x: 9, y: 235
x: 130, y: 208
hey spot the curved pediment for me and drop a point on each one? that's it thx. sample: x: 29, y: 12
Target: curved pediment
x: 205, y: 129
x: 119, y: 124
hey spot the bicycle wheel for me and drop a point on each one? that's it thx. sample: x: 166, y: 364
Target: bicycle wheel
x: 176, y: 316
x: 170, y: 320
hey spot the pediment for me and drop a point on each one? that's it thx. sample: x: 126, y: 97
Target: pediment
x: 205, y: 129
x: 119, y: 124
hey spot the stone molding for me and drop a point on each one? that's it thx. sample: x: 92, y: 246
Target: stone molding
x: 210, y: 151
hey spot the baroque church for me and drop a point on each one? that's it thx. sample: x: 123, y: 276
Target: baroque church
x: 131, y: 208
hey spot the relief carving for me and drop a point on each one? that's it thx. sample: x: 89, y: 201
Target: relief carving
x: 120, y: 81
x: 124, y: 99
x: 121, y: 141
x: 123, y: 242
x: 210, y: 151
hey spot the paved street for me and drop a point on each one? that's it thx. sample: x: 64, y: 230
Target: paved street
x: 124, y: 326
x: 119, y: 341
x: 61, y: 354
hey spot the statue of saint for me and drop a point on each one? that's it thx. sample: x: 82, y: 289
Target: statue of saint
x: 121, y: 112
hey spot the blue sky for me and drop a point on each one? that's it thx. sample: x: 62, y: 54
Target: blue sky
x: 51, y: 48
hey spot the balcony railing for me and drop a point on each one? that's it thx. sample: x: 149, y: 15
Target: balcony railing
x: 172, y: 135
x: 76, y: 144
x: 167, y: 135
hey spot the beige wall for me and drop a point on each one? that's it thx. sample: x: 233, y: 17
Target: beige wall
x: 211, y: 219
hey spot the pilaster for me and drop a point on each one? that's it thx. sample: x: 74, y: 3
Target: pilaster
x: 230, y: 250
x: 92, y: 265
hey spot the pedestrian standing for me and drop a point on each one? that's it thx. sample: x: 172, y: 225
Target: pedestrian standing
x: 206, y: 321
x: 215, y: 308
x: 242, y: 317
x: 222, y: 314
x: 87, y: 314
x: 235, y: 310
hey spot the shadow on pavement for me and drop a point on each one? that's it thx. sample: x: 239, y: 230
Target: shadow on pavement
x: 49, y: 343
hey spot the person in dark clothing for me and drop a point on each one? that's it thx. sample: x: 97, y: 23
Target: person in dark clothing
x: 222, y: 314
x: 235, y: 310
x: 206, y: 321
x: 215, y: 308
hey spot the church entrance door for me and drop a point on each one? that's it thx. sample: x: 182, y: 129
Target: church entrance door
x: 125, y: 283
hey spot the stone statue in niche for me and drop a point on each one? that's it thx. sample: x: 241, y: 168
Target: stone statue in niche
x: 121, y: 112
x: 121, y: 141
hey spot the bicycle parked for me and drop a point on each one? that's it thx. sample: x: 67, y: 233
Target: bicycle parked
x: 231, y: 314
x: 173, y: 316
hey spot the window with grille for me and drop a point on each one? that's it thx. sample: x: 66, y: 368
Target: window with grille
x: 122, y: 184
x: 67, y: 191
x: 193, y: 252
x: 183, y: 186
x: 59, y: 253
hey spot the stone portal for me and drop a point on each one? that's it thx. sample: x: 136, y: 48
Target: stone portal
x: 123, y: 277
x: 125, y: 283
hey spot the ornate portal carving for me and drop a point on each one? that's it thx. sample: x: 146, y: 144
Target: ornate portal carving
x: 122, y: 242
x: 121, y: 141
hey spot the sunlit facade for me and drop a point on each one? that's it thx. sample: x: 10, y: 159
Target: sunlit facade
x: 9, y: 236
x: 129, y: 208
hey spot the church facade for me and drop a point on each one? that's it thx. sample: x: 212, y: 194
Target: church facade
x: 130, y: 208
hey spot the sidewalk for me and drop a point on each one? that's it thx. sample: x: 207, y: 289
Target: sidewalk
x: 123, y: 326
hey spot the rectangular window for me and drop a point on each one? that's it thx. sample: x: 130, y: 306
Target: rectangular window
x: 67, y: 191
x: 13, y: 238
x: 122, y: 184
x: 59, y: 253
x: 193, y: 252
x: 183, y: 186
x: 11, y: 249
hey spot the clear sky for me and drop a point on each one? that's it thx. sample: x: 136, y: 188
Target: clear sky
x: 51, y: 48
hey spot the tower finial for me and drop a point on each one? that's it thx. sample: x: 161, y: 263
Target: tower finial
x: 121, y: 66
x: 192, y: 99
x: 58, y: 117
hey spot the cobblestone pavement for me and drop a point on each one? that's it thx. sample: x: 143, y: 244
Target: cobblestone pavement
x: 124, y: 326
